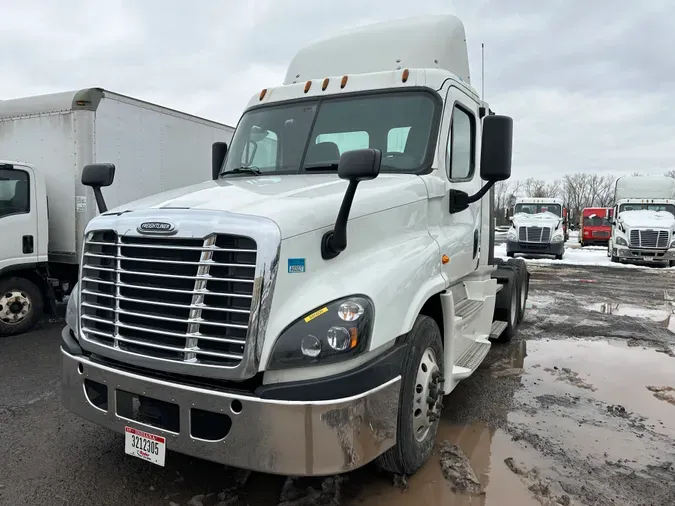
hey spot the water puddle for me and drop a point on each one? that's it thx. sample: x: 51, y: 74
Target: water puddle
x: 486, y: 451
x: 600, y: 399
x: 620, y: 309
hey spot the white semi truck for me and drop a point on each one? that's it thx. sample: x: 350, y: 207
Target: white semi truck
x: 538, y: 226
x: 305, y: 312
x: 643, y: 224
x: 45, y: 141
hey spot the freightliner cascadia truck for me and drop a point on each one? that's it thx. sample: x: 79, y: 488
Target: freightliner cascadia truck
x: 306, y: 310
x: 538, y: 226
x: 643, y: 221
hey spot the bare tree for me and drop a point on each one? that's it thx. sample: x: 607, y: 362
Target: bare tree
x: 577, y: 190
x: 670, y: 173
x: 636, y: 173
x: 540, y: 188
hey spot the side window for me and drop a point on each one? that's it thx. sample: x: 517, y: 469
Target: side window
x: 460, y: 157
x: 262, y: 151
x: 396, y: 139
x: 14, y: 192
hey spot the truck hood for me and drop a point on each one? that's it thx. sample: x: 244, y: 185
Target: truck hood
x: 297, y: 203
x: 647, y: 219
x: 536, y: 220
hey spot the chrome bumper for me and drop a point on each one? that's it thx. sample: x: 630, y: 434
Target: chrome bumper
x: 279, y: 437
x: 644, y: 255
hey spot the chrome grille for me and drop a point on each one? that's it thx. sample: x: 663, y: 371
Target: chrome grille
x: 649, y: 238
x: 185, y: 300
x: 534, y: 234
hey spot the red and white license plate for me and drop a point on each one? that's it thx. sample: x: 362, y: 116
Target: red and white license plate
x: 144, y: 445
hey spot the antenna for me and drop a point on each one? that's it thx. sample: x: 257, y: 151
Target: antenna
x: 482, y: 71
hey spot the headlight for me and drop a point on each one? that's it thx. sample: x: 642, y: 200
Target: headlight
x: 511, y: 235
x: 72, y: 309
x: 620, y: 241
x: 559, y: 236
x: 330, y: 333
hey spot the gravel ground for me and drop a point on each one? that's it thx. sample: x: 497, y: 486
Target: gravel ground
x: 578, y: 410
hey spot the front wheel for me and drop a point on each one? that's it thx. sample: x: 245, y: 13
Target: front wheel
x: 20, y: 306
x: 421, y: 400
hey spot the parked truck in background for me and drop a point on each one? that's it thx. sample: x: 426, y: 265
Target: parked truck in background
x: 538, y: 226
x: 643, y: 224
x: 305, y: 312
x: 595, y: 226
x: 44, y: 143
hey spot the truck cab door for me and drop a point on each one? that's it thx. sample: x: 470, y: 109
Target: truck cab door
x: 461, y: 231
x: 18, y: 220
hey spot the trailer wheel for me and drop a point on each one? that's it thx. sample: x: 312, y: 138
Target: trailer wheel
x: 421, y: 400
x: 21, y: 305
x: 522, y: 283
x: 507, y: 310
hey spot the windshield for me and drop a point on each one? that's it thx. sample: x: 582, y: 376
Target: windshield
x: 311, y: 135
x: 648, y: 207
x: 596, y: 221
x: 538, y: 208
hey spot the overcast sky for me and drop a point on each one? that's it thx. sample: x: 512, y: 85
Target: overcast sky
x: 590, y: 84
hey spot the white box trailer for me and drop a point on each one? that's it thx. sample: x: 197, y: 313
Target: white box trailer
x: 45, y: 141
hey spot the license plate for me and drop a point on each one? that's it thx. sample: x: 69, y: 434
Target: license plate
x: 144, y: 445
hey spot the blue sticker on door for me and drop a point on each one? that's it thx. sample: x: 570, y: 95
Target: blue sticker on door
x: 296, y: 265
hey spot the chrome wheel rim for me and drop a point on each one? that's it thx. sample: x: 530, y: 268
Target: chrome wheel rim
x: 427, y: 395
x: 15, y: 306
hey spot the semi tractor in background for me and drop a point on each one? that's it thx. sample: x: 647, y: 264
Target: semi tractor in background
x: 538, y: 226
x: 45, y: 141
x: 595, y: 226
x: 306, y: 310
x: 643, y: 221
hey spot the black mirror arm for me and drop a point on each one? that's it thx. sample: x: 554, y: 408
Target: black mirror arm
x: 334, y: 242
x: 100, y: 201
x: 459, y: 200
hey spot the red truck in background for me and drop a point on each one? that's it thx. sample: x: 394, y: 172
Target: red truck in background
x: 594, y: 227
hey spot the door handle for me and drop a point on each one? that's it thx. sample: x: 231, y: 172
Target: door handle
x: 28, y: 244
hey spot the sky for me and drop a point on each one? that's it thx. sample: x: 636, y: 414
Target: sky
x: 590, y: 85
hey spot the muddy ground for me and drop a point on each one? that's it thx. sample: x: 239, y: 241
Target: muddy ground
x: 580, y: 409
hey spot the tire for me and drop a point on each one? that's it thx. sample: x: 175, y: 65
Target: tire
x: 558, y: 257
x: 614, y: 259
x: 509, y: 254
x: 522, y: 283
x: 507, y: 310
x: 410, y: 453
x: 14, y: 319
x: 672, y: 263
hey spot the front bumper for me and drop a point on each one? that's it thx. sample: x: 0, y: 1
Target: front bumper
x: 643, y: 255
x: 535, y: 248
x: 298, y: 438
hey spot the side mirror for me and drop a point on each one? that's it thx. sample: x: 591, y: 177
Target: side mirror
x: 218, y: 152
x: 354, y: 166
x: 360, y: 164
x: 96, y: 176
x: 510, y: 218
x: 496, y: 148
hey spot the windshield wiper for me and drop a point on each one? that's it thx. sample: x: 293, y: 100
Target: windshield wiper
x: 241, y: 170
x: 324, y: 166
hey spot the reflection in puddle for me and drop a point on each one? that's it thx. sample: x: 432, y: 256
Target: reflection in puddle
x: 619, y: 309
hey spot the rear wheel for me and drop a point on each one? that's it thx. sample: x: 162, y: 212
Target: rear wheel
x: 523, y: 283
x: 20, y: 306
x: 420, y: 401
x: 506, y: 309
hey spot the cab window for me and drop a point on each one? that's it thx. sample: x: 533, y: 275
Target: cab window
x: 14, y: 192
x: 460, y: 154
